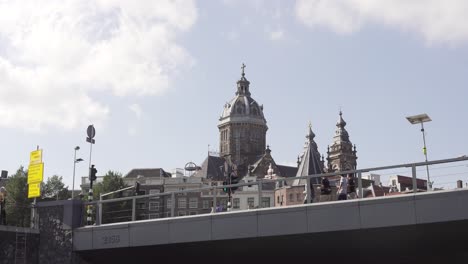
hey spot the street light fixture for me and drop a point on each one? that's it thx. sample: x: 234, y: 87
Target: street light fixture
x: 75, y: 161
x: 421, y: 119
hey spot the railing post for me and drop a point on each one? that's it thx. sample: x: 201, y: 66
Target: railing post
x: 133, y: 209
x: 415, y: 184
x: 172, y: 204
x: 308, y: 188
x: 361, y: 195
x: 99, y: 205
x: 214, y: 199
x: 259, y: 193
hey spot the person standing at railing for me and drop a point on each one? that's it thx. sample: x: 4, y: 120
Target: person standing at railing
x: 343, y: 188
x: 3, y: 194
x: 351, y: 187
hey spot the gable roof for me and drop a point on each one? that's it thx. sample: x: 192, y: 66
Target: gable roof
x: 149, y: 173
x: 287, y: 171
x: 211, y: 168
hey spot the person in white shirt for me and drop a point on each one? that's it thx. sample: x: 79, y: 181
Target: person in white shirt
x: 343, y: 188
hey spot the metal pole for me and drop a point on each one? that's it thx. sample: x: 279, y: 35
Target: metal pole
x: 133, y: 209
x: 415, y: 184
x: 99, y: 220
x: 259, y: 193
x: 172, y: 204
x: 90, y: 194
x: 361, y: 195
x: 90, y: 152
x: 429, y: 184
x: 214, y: 199
x: 73, y: 184
x: 90, y: 207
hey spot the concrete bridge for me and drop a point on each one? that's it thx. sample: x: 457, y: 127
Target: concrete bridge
x: 418, y: 228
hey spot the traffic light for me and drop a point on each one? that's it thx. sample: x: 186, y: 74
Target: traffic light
x: 226, y: 189
x: 92, y: 173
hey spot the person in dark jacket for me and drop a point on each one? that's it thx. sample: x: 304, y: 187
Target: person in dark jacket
x: 325, y: 188
x: 351, y: 187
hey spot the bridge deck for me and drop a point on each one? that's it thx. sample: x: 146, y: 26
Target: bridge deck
x: 410, y: 214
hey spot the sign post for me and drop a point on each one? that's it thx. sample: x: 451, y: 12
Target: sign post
x: 35, y: 177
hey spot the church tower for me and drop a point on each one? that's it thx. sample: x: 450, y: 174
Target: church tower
x: 242, y: 128
x: 341, y: 154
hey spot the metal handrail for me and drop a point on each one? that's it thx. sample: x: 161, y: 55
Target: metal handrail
x: 263, y: 181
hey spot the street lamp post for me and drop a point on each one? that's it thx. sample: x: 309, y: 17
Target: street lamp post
x: 421, y: 119
x: 75, y: 160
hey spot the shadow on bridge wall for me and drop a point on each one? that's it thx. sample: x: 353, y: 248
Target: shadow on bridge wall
x: 424, y: 243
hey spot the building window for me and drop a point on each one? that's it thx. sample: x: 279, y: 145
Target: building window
x: 277, y: 199
x: 192, y: 212
x: 193, y: 203
x: 265, y: 202
x: 224, y: 202
x: 251, y: 202
x: 153, y: 216
x: 169, y: 203
x: 154, y: 191
x: 181, y: 213
x: 298, y: 196
x: 206, y: 204
x: 182, y: 202
x: 393, y: 182
x: 141, y: 205
x: 291, y: 197
x: 154, y: 206
x: 236, y: 203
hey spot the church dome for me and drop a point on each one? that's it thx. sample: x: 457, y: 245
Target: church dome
x: 242, y: 108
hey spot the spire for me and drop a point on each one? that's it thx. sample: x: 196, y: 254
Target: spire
x: 340, y: 154
x: 243, y: 83
x: 341, y: 123
x: 268, y: 150
x: 310, y: 162
x: 341, y: 134
x: 310, y: 134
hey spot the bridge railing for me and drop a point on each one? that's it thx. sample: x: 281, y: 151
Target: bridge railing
x: 276, y: 191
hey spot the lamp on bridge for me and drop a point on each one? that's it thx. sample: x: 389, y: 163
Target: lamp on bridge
x: 421, y: 119
x: 74, y: 167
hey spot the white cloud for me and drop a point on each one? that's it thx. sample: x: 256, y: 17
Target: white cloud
x: 56, y: 54
x: 277, y: 35
x: 136, y: 109
x: 132, y: 131
x: 437, y: 21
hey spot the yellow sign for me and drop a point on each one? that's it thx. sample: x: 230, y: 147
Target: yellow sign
x: 35, y: 173
x: 35, y: 157
x: 34, y: 190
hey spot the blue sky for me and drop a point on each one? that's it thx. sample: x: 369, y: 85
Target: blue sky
x: 153, y: 76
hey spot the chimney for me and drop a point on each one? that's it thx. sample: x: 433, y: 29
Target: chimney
x: 4, y: 174
x: 459, y: 184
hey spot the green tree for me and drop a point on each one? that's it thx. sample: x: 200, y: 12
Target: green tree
x: 117, y: 211
x: 54, y: 189
x: 18, y: 206
x: 112, y: 181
